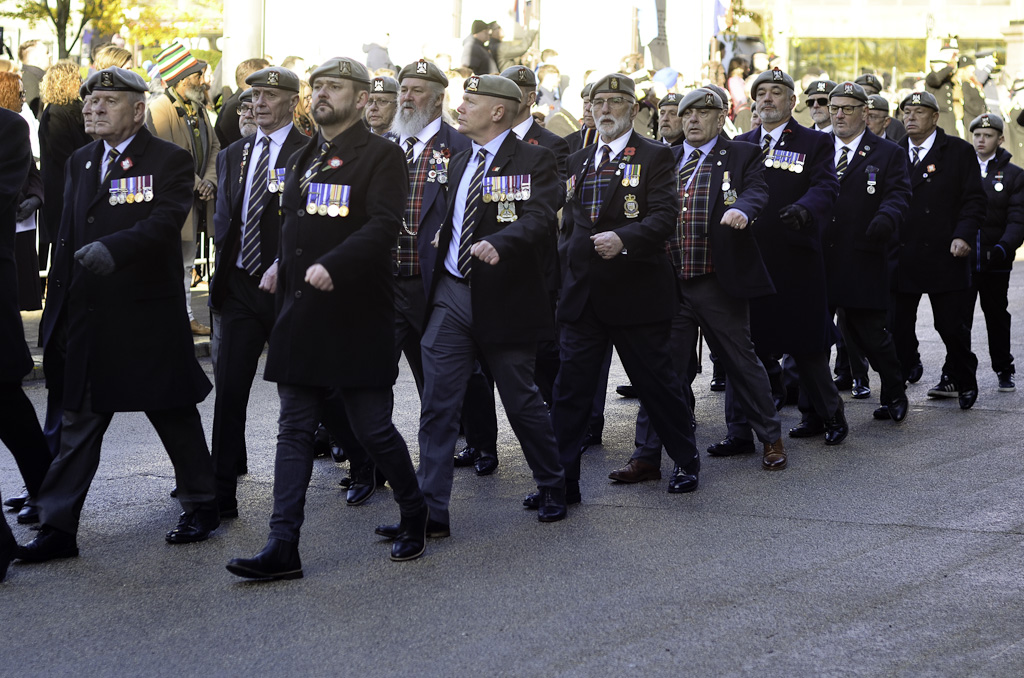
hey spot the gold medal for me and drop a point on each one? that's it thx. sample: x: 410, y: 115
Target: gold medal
x: 129, y: 198
x: 343, y: 210
x: 486, y: 197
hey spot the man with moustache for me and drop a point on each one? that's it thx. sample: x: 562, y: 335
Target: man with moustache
x: 718, y: 267
x: 179, y: 116
x: 946, y: 211
x: 332, y: 347
x: 380, y: 110
x: 246, y: 115
x: 669, y: 125
x: 802, y: 188
x: 114, y: 318
x: 817, y: 104
x: 858, y: 240
x: 618, y: 284
x: 487, y: 297
x: 247, y: 228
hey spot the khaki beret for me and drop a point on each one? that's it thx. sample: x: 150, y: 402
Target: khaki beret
x: 587, y: 89
x: 384, y: 84
x: 869, y: 80
x: 670, y: 99
x: 701, y: 98
x: 987, y: 121
x: 820, y: 87
x: 86, y: 87
x: 920, y: 99
x: 876, y: 102
x: 424, y: 70
x: 274, y: 77
x: 849, y: 89
x: 493, y: 86
x: 341, y: 67
x: 522, y: 76
x: 114, y: 79
x: 246, y: 96
x: 614, y: 83
x: 775, y: 76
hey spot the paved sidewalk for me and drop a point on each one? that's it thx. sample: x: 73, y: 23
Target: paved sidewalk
x: 897, y: 553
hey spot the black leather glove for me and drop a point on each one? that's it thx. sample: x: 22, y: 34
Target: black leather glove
x: 794, y: 216
x: 28, y: 206
x: 880, y: 229
x: 997, y: 255
x: 96, y: 258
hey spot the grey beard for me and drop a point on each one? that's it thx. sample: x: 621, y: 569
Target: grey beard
x: 409, y: 122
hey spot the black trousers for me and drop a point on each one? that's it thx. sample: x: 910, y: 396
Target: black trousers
x: 644, y: 351
x: 952, y: 312
x: 21, y: 434
x: 992, y: 288
x: 865, y: 327
x: 246, y: 319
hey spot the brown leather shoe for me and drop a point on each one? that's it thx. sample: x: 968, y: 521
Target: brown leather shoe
x: 774, y: 456
x: 199, y: 329
x: 636, y: 471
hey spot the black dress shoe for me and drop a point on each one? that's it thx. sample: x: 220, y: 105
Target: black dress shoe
x: 49, y: 544
x: 551, y: 506
x: 626, y: 390
x: 15, y: 503
x: 717, y: 384
x: 808, y: 428
x: 592, y: 438
x: 915, y: 374
x: 242, y: 469
x: 28, y: 515
x: 843, y: 382
x: 467, y: 456
x: 195, y: 526
x: 882, y: 413
x: 278, y: 560
x: 8, y: 547
x: 359, y: 492
x: 435, y: 530
x: 411, y: 540
x: 898, y: 409
x: 227, y: 509
x: 967, y: 398
x: 321, y: 442
x: 682, y: 481
x: 486, y: 464
x: 572, y: 496
x: 731, y: 446
x: 860, y: 389
x: 836, y: 428
x: 174, y: 492
x: 337, y: 454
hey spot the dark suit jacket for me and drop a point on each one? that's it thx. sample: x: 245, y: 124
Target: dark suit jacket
x: 344, y: 338
x: 15, y: 359
x: 226, y: 126
x: 858, y: 267
x: 127, y: 333
x: 61, y: 133
x: 948, y: 202
x: 637, y: 287
x: 227, y: 220
x: 736, y: 257
x: 435, y: 203
x: 796, y: 318
x: 539, y: 136
x: 510, y: 300
x: 1004, y: 219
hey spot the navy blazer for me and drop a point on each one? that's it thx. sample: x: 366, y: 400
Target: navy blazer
x: 539, y: 136
x: 638, y: 286
x: 1004, y: 218
x: 796, y: 318
x: 876, y: 183
x: 344, y: 338
x: 15, y: 359
x: 435, y: 202
x: 232, y: 167
x: 127, y: 334
x: 510, y: 300
x: 948, y: 202
x: 735, y: 254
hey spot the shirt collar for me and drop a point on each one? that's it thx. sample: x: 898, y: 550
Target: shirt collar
x: 704, y: 150
x: 522, y: 128
x: 425, y: 134
x: 616, y: 146
x: 491, y: 146
x: 925, y: 145
x: 853, y: 144
x: 775, y: 134
x: 120, y: 147
x: 276, y: 137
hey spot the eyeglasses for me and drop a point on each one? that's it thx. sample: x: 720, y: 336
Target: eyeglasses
x: 379, y: 101
x: 877, y: 115
x: 811, y: 103
x: 847, y: 110
x: 245, y: 110
x: 611, y: 101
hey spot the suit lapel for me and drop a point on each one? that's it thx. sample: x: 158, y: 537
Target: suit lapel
x: 932, y: 159
x: 719, y: 159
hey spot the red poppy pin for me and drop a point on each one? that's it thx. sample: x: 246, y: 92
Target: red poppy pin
x: 931, y: 168
x: 446, y: 153
x: 629, y: 152
x: 126, y: 164
x: 334, y: 162
x: 533, y: 141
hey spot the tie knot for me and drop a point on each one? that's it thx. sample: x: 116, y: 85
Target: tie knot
x: 113, y: 153
x: 411, y: 141
x: 481, y: 156
x: 844, y: 150
x: 266, y: 142
x: 325, y: 147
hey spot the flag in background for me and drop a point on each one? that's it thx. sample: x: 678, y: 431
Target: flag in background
x: 721, y: 16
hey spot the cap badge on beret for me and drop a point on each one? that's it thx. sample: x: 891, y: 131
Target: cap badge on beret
x: 915, y: 99
x: 613, y: 83
x: 821, y: 86
x: 985, y: 121
x: 473, y: 84
x: 378, y: 85
x: 272, y: 79
x: 106, y: 79
x: 421, y: 67
x: 777, y: 74
x: 344, y: 68
x: 848, y: 87
x: 709, y: 99
x: 521, y: 75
